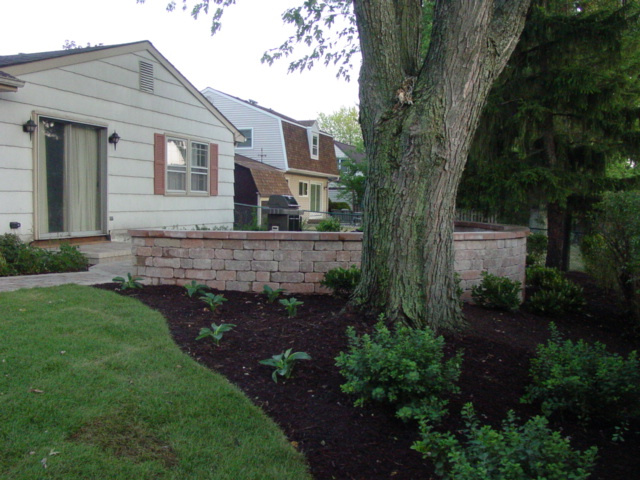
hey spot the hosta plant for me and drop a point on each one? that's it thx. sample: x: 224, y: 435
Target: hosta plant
x: 195, y: 288
x: 284, y: 362
x: 213, y: 301
x: 272, y: 294
x: 128, y: 283
x: 216, y: 332
x: 291, y: 305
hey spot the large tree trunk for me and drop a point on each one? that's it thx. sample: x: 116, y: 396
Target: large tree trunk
x: 418, y: 118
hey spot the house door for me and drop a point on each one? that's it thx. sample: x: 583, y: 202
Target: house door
x: 315, y: 200
x: 70, y: 185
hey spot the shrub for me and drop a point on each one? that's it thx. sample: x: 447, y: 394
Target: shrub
x: 5, y: 268
x: 556, y: 294
x: 23, y: 259
x: 342, y: 281
x: 511, y: 453
x: 584, y: 380
x: 331, y: 224
x: 614, y: 248
x: 67, y: 259
x: 404, y: 368
x: 338, y: 206
x: 497, y: 292
x: 536, y: 248
x: 539, y: 276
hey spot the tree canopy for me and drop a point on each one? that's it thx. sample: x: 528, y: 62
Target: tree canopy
x: 563, y: 113
x: 343, y: 125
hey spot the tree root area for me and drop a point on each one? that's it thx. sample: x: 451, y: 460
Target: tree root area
x: 344, y: 442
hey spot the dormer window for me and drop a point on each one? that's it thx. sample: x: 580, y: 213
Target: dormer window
x: 313, y: 136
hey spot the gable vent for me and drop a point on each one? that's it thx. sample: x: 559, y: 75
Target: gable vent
x: 146, y: 77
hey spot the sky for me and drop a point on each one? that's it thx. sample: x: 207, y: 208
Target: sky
x: 228, y: 61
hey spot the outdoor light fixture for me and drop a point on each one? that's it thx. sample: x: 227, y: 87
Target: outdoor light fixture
x: 114, y: 138
x: 29, y: 127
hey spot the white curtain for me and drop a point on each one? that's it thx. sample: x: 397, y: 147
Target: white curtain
x: 83, y: 180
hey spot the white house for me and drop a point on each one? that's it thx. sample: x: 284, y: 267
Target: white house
x: 99, y: 140
x: 299, y: 148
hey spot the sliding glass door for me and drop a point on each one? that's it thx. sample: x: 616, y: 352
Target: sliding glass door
x: 70, y: 184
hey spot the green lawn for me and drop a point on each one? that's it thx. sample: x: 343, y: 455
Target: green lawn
x: 92, y: 387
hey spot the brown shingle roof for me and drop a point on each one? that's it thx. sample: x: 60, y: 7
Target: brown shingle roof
x: 297, y: 144
x: 269, y: 180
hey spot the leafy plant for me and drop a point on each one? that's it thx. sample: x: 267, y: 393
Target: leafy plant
x: 284, y: 363
x: 404, y: 368
x: 195, y: 288
x: 612, y: 252
x: 585, y: 380
x: 216, y: 332
x: 342, y: 281
x: 291, y: 305
x: 130, y: 282
x: 272, y: 295
x: 496, y: 292
x: 555, y: 295
x: 22, y: 259
x: 536, y: 248
x: 331, y: 224
x: 511, y: 453
x: 213, y: 301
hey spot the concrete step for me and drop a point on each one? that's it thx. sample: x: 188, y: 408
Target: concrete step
x: 107, y: 252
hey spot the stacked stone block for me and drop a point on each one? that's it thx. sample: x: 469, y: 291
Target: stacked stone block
x: 297, y: 261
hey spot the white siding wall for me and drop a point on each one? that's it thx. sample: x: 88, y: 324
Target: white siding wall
x: 267, y: 129
x: 105, y: 92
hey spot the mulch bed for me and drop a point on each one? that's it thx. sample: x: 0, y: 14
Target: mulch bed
x: 343, y: 442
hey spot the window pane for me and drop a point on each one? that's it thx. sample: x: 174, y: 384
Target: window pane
x: 248, y: 134
x: 176, y: 180
x: 176, y: 152
x: 199, y: 155
x: 198, y: 182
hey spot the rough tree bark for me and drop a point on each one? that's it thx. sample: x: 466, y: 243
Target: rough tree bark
x: 418, y: 116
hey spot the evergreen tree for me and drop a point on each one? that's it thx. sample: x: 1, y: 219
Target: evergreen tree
x: 564, y: 109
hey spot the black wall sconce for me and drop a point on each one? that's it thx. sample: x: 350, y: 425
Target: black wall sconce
x: 114, y: 138
x: 29, y: 127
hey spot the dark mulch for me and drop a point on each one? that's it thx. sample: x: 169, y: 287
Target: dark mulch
x: 343, y: 442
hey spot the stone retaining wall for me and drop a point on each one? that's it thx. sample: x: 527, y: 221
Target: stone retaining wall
x: 297, y: 261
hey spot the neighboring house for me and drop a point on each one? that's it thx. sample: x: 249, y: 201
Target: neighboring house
x: 120, y: 140
x: 299, y: 148
x: 255, y: 182
x: 344, y: 152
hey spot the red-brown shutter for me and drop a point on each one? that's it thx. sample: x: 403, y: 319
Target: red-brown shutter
x: 213, y: 169
x: 159, y: 164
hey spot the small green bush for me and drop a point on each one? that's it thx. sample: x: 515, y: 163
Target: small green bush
x: 331, y: 224
x: 496, y: 292
x: 555, y: 295
x: 537, y: 248
x: 404, y: 368
x: 5, y: 268
x: 338, y: 206
x: 342, y: 281
x: 584, y: 380
x: 612, y: 252
x: 23, y: 259
x: 539, y: 276
x: 530, y: 451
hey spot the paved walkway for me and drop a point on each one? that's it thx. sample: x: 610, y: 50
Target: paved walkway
x: 101, y: 273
